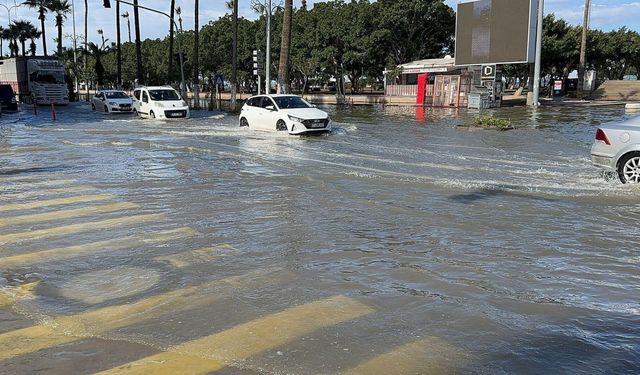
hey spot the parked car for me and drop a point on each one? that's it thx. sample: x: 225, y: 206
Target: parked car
x: 112, y: 101
x: 8, y: 100
x: 159, y: 102
x: 288, y: 113
x: 617, y: 149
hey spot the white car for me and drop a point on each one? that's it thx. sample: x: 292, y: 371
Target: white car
x: 112, y: 101
x: 159, y: 102
x: 288, y: 113
x: 617, y: 149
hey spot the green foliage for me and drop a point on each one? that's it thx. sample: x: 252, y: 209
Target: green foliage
x: 487, y: 121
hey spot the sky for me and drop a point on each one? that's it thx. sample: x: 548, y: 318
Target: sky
x: 606, y: 15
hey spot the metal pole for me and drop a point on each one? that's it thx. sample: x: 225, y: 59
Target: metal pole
x: 259, y: 85
x: 75, y: 50
x: 267, y: 68
x: 536, y: 75
x: 583, y: 49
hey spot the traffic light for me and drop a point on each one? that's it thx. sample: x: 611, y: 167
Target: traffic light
x: 107, y: 3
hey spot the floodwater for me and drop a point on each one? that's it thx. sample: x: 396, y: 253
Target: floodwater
x: 397, y: 244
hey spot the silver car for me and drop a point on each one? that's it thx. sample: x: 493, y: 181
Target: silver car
x: 617, y: 149
x: 112, y: 101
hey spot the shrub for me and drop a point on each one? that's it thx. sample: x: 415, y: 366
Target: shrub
x: 492, y: 122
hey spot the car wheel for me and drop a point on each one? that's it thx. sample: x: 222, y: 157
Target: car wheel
x: 106, y: 109
x: 135, y: 113
x: 281, y: 126
x: 93, y: 107
x: 244, y: 122
x: 629, y: 168
x: 152, y: 115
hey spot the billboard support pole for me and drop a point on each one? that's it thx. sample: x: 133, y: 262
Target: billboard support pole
x: 536, y: 75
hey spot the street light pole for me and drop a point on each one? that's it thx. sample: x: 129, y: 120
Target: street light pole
x: 536, y: 74
x: 267, y: 68
x: 75, y: 49
x: 177, y: 39
x: 9, y: 13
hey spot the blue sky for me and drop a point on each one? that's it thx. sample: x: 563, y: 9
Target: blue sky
x: 607, y: 15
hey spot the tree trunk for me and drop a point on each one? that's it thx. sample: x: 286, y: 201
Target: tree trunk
x: 285, y: 49
x: 136, y: 21
x: 196, y: 55
x: 172, y: 13
x: 86, y: 33
x: 234, y: 56
x: 44, y: 32
x: 24, y: 49
x: 59, y: 24
x: 118, y: 47
x: 583, y: 49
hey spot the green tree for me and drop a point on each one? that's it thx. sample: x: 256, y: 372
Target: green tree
x: 285, y: 49
x: 98, y: 53
x: 61, y: 8
x: 42, y: 7
x: 26, y: 30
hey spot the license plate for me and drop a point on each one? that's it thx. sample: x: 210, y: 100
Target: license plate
x: 175, y: 115
x: 318, y: 124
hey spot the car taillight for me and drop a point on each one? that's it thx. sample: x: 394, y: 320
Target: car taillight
x: 600, y: 136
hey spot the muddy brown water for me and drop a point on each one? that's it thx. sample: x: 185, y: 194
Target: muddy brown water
x: 398, y: 243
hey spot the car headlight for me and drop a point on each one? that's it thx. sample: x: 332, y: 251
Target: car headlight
x: 113, y: 103
x: 295, y: 119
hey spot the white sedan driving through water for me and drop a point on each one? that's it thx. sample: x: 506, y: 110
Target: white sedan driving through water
x: 617, y: 149
x: 288, y: 113
x: 110, y: 101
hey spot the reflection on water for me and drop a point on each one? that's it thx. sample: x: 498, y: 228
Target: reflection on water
x: 507, y: 249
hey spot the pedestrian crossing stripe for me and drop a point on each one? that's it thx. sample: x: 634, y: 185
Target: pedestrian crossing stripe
x: 66, y: 214
x: 54, y: 202
x: 79, y: 228
x: 127, y: 242
x: 65, y: 329
x: 40, y: 193
x: 193, y: 257
x: 8, y: 295
x: 35, y: 184
x: 214, y: 352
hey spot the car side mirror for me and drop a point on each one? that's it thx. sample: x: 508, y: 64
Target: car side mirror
x: 270, y: 108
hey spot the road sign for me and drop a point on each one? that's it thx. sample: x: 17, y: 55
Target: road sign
x: 258, y: 72
x: 488, y: 73
x: 258, y: 65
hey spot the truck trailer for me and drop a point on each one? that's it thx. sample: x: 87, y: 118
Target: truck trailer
x: 38, y: 80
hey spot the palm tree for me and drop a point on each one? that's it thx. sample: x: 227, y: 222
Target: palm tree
x: 42, y: 7
x: 33, y: 36
x: 136, y: 23
x: 2, y: 38
x: 13, y: 33
x: 234, y: 55
x: 25, y: 30
x: 86, y: 34
x: 98, y: 53
x: 171, y: 13
x: 101, y: 33
x: 118, y: 47
x: 61, y: 8
x: 285, y: 46
x: 126, y: 16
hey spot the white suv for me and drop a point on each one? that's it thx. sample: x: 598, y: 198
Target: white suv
x: 159, y: 102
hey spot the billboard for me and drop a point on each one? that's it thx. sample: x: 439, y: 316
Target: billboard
x: 496, y: 32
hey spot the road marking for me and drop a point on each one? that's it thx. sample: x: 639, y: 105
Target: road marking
x: 55, y: 202
x: 212, y: 353
x: 64, y: 329
x: 29, y: 177
x: 427, y: 356
x: 37, y: 184
x: 37, y: 193
x: 193, y: 257
x: 24, y: 149
x: 113, y: 244
x: 66, y: 214
x: 78, y: 228
x: 8, y: 295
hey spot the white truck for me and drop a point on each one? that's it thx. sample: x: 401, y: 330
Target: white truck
x: 35, y: 79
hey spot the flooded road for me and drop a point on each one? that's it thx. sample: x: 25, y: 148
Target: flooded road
x: 397, y: 244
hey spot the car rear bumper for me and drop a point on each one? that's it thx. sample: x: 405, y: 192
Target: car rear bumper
x: 603, y: 161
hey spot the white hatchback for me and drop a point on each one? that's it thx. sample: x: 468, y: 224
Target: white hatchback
x: 112, y: 101
x: 159, y: 102
x: 617, y: 149
x: 288, y: 113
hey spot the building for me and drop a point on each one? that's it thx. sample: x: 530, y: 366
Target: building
x: 434, y: 82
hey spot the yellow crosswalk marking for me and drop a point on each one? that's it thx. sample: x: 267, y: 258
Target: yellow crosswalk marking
x: 127, y: 242
x: 38, y: 193
x: 78, y: 228
x: 12, y: 186
x: 65, y: 214
x: 9, y: 295
x: 192, y: 257
x: 23, y: 149
x: 29, y: 177
x: 424, y: 357
x: 212, y: 353
x: 65, y: 329
x: 55, y: 202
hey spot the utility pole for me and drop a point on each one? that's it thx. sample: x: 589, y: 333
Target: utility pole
x: 196, y: 56
x: 75, y: 51
x: 583, y: 49
x: 267, y: 68
x: 118, y: 46
x: 538, y: 67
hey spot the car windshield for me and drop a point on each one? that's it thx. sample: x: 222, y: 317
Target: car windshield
x: 116, y: 95
x: 163, y: 95
x: 291, y: 102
